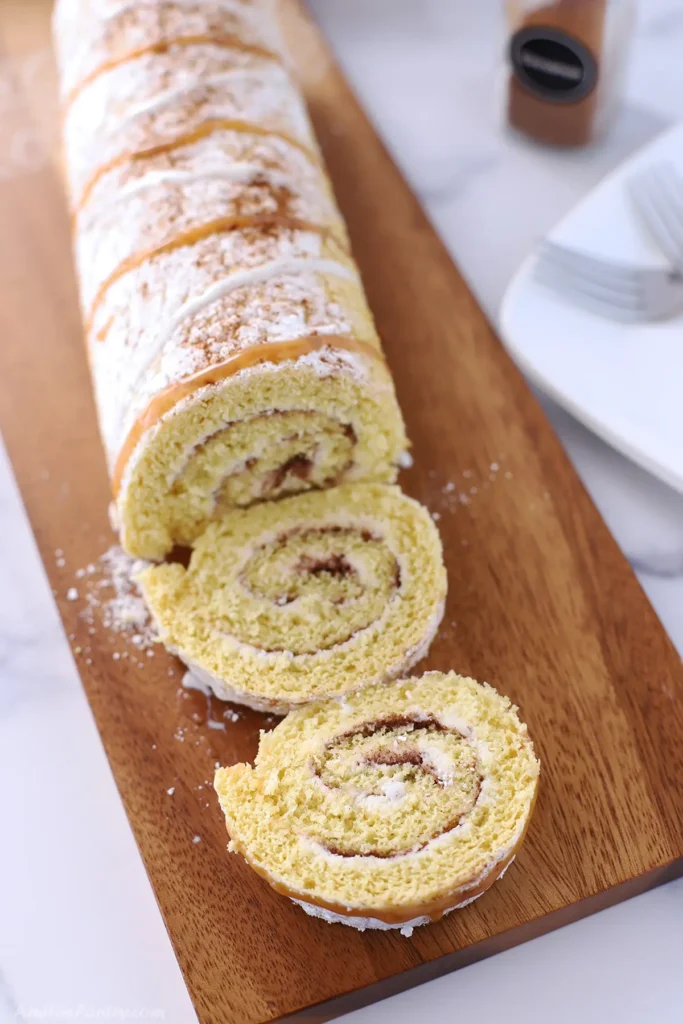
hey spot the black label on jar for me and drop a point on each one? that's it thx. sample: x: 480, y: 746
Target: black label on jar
x: 553, y: 65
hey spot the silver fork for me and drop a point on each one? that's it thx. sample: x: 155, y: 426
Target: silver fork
x: 616, y: 291
x: 657, y: 194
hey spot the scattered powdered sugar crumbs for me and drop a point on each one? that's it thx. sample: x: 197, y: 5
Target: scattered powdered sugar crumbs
x: 112, y: 592
x: 450, y: 494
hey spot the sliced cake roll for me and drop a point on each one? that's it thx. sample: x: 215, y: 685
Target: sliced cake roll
x: 138, y: 212
x: 311, y: 596
x: 388, y: 809
x: 266, y: 378
x: 233, y: 354
x: 157, y: 102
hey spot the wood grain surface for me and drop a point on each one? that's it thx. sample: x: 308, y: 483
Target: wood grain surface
x: 541, y: 603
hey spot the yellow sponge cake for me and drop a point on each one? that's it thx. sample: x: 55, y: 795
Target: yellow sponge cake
x: 390, y: 808
x: 308, y: 597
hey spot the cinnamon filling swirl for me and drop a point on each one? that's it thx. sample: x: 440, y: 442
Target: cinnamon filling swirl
x: 386, y: 770
x: 321, y: 567
x: 261, y: 457
x: 311, y: 596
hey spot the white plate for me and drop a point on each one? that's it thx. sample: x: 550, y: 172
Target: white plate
x: 624, y: 382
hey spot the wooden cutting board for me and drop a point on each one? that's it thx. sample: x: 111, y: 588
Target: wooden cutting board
x: 541, y: 602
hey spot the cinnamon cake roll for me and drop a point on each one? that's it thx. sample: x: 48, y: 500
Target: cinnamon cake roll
x: 388, y: 809
x: 308, y: 597
x: 233, y: 354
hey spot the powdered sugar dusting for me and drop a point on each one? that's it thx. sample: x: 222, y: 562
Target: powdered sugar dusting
x: 112, y: 31
x: 112, y: 596
x: 160, y: 98
x: 173, y: 317
x: 260, y: 274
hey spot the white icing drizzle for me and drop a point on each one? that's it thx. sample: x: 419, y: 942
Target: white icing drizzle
x: 83, y: 47
x: 187, y: 85
x: 252, y: 275
x: 113, y: 117
x: 237, y: 172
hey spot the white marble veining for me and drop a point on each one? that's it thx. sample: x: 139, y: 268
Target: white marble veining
x: 80, y: 933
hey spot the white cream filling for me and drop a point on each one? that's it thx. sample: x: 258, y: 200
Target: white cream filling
x: 441, y: 763
x: 393, y: 789
x: 318, y: 360
x: 226, y: 691
x: 237, y: 465
x: 379, y: 626
x: 408, y: 658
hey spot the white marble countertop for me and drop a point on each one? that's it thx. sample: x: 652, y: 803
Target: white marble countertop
x: 80, y: 933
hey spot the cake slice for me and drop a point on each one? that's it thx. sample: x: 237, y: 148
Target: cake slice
x: 388, y: 809
x: 312, y: 596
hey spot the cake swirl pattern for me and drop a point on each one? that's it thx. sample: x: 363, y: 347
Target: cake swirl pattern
x: 388, y: 809
x: 401, y: 759
x: 308, y: 597
x: 233, y: 354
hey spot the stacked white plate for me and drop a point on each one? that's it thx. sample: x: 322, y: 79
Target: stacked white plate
x: 624, y: 382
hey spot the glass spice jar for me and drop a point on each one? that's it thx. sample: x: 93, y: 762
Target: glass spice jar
x: 566, y: 61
